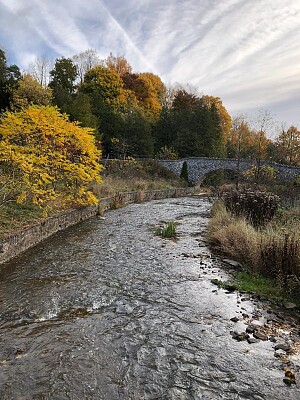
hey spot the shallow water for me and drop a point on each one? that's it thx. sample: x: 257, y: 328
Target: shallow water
x: 108, y: 310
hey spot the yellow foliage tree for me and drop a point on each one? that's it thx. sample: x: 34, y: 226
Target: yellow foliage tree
x: 47, y: 157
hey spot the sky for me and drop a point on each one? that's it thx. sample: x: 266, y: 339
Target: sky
x: 247, y: 52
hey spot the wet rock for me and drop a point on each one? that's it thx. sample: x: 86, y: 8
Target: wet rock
x: 124, y: 309
x: 252, y: 340
x: 251, y: 328
x: 234, y: 319
x: 289, y: 305
x: 259, y: 335
x: 231, y: 262
x: 239, y: 336
x: 282, y: 346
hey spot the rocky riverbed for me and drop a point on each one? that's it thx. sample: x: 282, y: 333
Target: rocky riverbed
x: 108, y: 310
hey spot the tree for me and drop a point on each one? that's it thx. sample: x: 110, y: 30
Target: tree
x: 85, y: 61
x: 185, y: 101
x: 50, y: 157
x: 118, y: 63
x: 104, y: 83
x: 225, y: 118
x: 239, y: 139
x: 262, y: 124
x: 288, y: 146
x: 40, y: 69
x: 148, y: 89
x: 9, y: 77
x: 29, y: 91
x: 63, y: 77
x: 80, y: 109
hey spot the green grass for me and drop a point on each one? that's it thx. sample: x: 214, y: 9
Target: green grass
x: 167, y: 231
x: 258, y: 284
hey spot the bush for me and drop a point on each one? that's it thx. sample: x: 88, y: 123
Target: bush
x: 258, y: 207
x: 45, y: 157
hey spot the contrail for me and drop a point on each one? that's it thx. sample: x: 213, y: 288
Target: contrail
x: 127, y: 38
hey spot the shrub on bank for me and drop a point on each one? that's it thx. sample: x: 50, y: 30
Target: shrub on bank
x: 258, y: 207
x: 46, y: 158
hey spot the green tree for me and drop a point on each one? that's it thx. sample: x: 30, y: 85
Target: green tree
x: 29, y: 91
x: 63, y: 77
x: 9, y: 77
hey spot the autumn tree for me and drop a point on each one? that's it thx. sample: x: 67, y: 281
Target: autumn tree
x: 261, y: 124
x: 240, y: 138
x: 29, y: 91
x: 287, y: 146
x: 148, y: 89
x: 118, y: 64
x: 47, y: 158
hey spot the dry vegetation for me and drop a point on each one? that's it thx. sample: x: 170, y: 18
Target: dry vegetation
x: 270, y: 250
x: 131, y: 175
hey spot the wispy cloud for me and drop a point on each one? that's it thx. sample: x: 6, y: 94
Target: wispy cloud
x: 245, y: 52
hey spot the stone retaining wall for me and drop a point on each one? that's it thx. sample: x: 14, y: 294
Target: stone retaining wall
x: 15, y: 244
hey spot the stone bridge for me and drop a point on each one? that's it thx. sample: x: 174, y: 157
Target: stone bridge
x: 199, y: 167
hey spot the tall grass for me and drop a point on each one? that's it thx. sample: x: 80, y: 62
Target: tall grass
x: 270, y: 251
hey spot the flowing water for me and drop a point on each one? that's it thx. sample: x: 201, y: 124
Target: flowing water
x: 108, y: 310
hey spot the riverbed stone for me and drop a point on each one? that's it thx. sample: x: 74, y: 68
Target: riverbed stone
x: 239, y: 336
x: 282, y: 346
x: 252, y: 340
x: 251, y: 328
x: 259, y: 335
x: 289, y: 305
x: 233, y: 263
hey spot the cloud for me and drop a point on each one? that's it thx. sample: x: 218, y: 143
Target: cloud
x: 245, y: 52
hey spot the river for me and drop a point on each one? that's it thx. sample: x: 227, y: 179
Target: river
x: 108, y: 310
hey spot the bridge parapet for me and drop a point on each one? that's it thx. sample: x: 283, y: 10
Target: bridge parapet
x: 199, y: 167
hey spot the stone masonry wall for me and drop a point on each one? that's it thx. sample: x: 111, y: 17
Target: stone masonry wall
x: 17, y: 243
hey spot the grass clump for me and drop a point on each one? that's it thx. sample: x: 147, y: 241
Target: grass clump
x: 167, y: 231
x: 247, y: 282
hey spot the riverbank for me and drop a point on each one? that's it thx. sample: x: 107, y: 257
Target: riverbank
x: 118, y: 176
x: 264, y: 242
x: 16, y: 243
